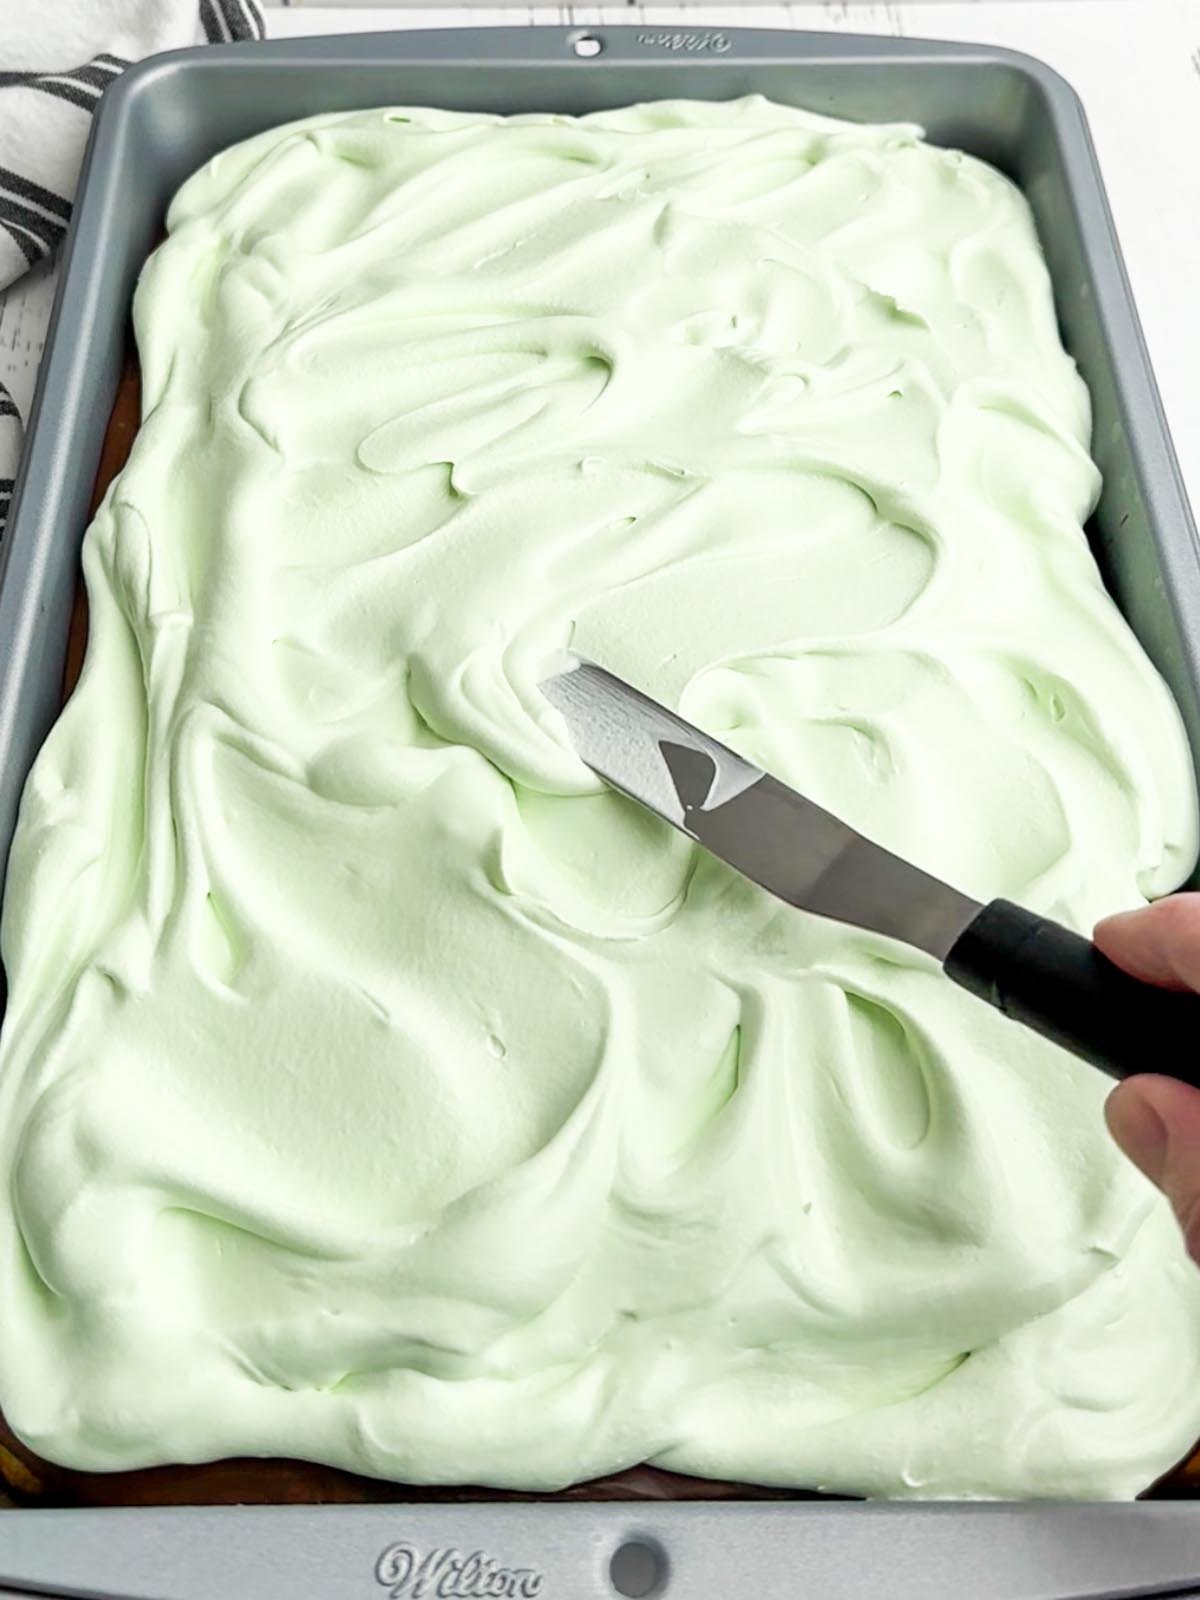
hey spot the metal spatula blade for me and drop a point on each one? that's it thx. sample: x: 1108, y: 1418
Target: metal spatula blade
x: 1025, y: 965
x: 768, y: 832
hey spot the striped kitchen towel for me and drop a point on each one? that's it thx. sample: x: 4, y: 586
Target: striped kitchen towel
x: 56, y: 60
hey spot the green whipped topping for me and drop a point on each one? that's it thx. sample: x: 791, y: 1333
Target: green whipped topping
x: 375, y: 1088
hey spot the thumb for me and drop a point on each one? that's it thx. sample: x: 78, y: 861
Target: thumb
x: 1156, y: 1122
x: 1159, y: 943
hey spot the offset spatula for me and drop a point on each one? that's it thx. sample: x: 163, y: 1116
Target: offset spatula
x: 1027, y: 966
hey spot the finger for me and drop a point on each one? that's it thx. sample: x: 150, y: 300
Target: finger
x: 1159, y: 943
x: 1156, y: 1122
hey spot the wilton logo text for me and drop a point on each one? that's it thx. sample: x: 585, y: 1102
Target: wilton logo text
x: 718, y: 43
x: 449, y: 1574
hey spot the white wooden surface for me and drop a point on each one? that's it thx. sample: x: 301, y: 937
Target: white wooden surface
x: 1136, y: 64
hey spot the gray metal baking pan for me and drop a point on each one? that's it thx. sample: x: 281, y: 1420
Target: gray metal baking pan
x: 154, y: 127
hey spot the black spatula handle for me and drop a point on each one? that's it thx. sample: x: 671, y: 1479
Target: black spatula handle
x: 1041, y: 974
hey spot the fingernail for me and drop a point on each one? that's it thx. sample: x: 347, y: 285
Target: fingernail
x: 1139, y: 1130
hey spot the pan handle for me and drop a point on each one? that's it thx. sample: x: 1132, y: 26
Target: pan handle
x: 573, y: 1550
x: 697, y: 44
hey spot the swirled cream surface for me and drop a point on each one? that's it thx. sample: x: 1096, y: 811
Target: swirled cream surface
x: 376, y: 1088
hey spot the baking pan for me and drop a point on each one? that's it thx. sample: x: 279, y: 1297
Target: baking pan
x: 154, y: 127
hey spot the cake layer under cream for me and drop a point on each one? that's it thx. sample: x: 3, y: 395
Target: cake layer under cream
x: 376, y: 1089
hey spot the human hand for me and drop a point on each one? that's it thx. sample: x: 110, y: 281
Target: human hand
x: 1156, y: 1120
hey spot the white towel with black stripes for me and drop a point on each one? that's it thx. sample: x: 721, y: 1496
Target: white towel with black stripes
x: 56, y: 59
